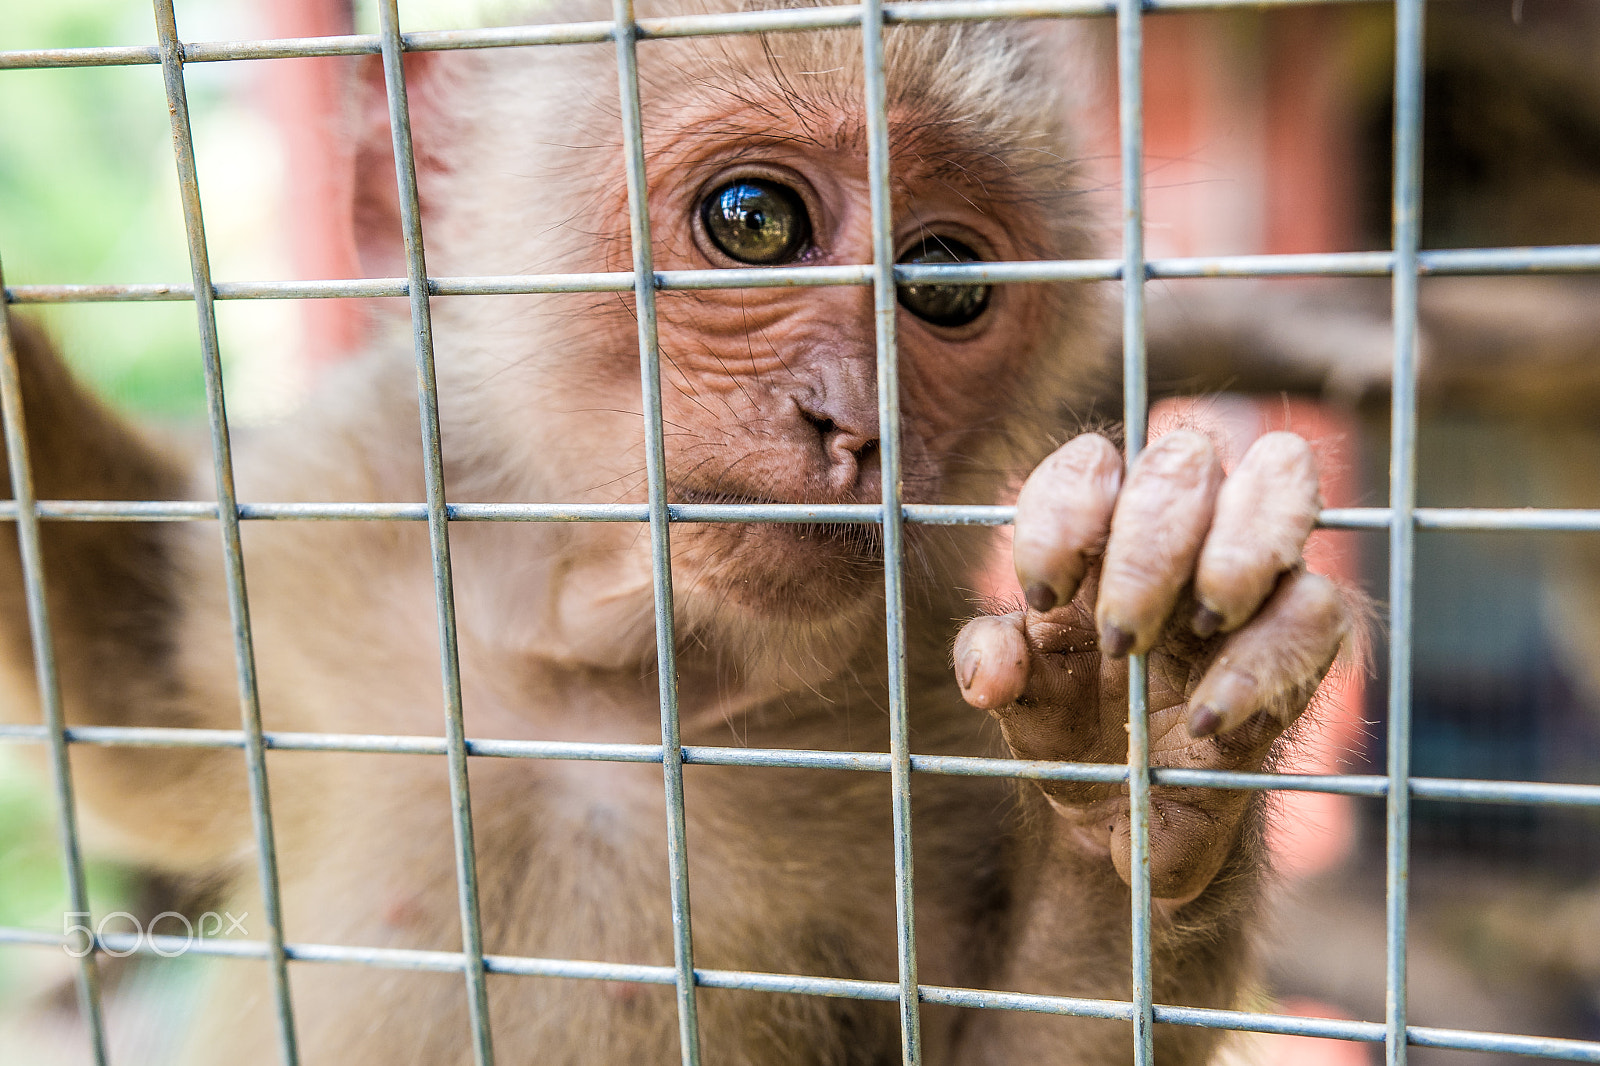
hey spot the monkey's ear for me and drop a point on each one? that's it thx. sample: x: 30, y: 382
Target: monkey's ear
x: 375, y: 210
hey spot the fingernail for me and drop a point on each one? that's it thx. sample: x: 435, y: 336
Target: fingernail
x: 1115, y: 641
x: 1230, y: 691
x: 968, y: 668
x: 1203, y: 721
x: 1041, y: 597
x: 1206, y: 621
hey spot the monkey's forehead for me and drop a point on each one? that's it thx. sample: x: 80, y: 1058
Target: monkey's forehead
x: 1006, y: 78
x: 985, y: 100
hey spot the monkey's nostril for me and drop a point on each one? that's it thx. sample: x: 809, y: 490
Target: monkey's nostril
x: 826, y: 427
x: 837, y: 439
x: 849, y: 450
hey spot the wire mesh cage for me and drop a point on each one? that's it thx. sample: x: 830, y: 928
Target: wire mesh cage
x: 1399, y: 520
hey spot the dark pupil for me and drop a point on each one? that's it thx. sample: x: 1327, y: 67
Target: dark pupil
x: 943, y: 305
x: 757, y: 221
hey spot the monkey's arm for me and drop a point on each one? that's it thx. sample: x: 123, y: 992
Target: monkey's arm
x: 109, y: 583
x: 1068, y: 933
x: 114, y: 593
x: 1500, y: 345
x: 1204, y: 575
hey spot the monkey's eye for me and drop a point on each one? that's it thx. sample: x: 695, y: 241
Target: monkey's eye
x: 756, y: 221
x: 942, y: 305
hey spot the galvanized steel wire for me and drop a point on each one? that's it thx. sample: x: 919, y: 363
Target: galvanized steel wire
x: 1404, y: 263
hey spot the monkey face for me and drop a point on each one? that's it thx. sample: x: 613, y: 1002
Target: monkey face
x: 770, y: 395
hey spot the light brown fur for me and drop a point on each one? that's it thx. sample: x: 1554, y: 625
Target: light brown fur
x: 781, y: 640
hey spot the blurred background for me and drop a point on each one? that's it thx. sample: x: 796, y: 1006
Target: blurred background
x: 1268, y: 132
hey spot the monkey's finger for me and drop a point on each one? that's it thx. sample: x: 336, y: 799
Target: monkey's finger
x: 1063, y: 516
x: 1276, y: 661
x: 991, y: 656
x: 1265, y: 511
x: 1056, y: 716
x: 1159, y: 525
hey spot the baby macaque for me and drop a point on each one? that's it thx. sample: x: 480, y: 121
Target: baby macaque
x: 757, y: 155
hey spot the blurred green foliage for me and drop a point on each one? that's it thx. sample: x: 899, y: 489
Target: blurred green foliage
x: 33, y: 887
x: 88, y: 194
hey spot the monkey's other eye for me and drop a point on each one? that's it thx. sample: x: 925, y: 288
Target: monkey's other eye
x: 942, y: 305
x: 757, y: 221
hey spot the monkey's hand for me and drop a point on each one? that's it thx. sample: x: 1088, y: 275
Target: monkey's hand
x: 1201, y: 572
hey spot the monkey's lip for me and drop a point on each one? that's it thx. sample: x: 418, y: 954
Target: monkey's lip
x: 854, y: 542
x: 678, y: 494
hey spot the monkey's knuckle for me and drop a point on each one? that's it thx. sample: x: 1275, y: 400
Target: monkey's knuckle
x: 1284, y: 451
x: 998, y: 621
x: 1081, y: 451
x: 1235, y: 598
x: 1044, y: 542
x: 1096, y: 442
x: 1072, y: 483
x: 1235, y: 560
x: 1287, y: 554
x: 1031, y: 533
x: 1166, y: 507
x: 1039, y: 487
x: 1130, y: 592
x: 1091, y: 456
x: 1319, y: 600
x: 1182, y: 453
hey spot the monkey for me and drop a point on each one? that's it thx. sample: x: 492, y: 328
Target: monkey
x: 756, y: 153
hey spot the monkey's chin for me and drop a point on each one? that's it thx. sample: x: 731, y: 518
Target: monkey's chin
x: 815, y: 575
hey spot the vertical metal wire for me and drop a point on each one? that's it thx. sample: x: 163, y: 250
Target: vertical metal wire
x: 44, y: 668
x: 644, y: 291
x: 1406, y: 213
x: 405, y: 167
x: 1402, y: 501
x: 1135, y: 418
x: 228, y: 521
x: 885, y: 303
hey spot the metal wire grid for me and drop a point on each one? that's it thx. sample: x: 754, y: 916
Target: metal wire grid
x: 1405, y: 263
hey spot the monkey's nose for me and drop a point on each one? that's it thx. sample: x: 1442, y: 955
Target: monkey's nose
x: 851, y: 454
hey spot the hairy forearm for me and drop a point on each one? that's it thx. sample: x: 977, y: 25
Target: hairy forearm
x: 1069, y: 934
x: 109, y: 584
x: 114, y: 597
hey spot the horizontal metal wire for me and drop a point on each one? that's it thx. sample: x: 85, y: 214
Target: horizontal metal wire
x: 1461, y: 519
x: 831, y: 987
x: 1493, y: 261
x: 1566, y: 259
x: 1367, y: 785
x: 780, y: 21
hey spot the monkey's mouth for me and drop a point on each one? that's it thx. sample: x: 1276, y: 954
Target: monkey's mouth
x: 806, y: 569
x: 858, y: 541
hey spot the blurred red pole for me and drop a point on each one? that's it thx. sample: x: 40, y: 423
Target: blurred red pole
x: 1310, y: 136
x: 1248, y: 146
x: 305, y: 98
x: 1310, y: 149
